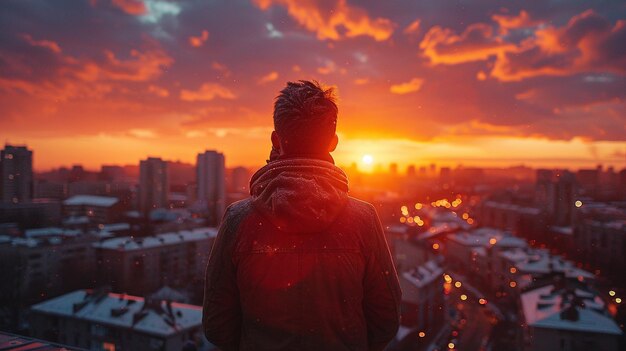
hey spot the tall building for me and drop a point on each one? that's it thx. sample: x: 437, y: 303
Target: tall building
x: 240, y: 180
x: 153, y: 185
x: 211, y: 184
x: 16, y: 174
x: 566, y: 190
x: 544, y: 190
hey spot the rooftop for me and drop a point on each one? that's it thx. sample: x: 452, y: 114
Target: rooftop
x: 129, y: 243
x: 424, y: 274
x: 51, y: 231
x: 51, y: 236
x: 483, y: 237
x: 539, y: 261
x: 91, y: 200
x: 576, y: 310
x: 154, y: 317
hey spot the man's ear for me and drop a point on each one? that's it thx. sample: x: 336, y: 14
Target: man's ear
x: 275, y: 140
x: 333, y: 143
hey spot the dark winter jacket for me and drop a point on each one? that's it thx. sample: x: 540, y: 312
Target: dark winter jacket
x: 300, y: 266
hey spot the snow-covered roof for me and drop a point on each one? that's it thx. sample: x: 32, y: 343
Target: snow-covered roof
x: 113, y: 227
x: 468, y: 239
x: 124, y: 311
x: 72, y: 220
x: 440, y: 228
x: 562, y: 230
x: 91, y: 200
x: 5, y: 239
x: 424, y: 274
x: 51, y: 231
x: 539, y: 261
x: 481, y: 237
x: 168, y: 293
x: 128, y: 243
x: 542, y: 308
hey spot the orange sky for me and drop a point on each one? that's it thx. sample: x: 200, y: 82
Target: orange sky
x: 535, y: 84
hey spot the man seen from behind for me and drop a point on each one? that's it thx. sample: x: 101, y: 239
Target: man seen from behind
x: 301, y: 265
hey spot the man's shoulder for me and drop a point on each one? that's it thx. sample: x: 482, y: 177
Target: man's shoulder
x: 360, y: 208
x: 240, y: 206
x: 237, y: 211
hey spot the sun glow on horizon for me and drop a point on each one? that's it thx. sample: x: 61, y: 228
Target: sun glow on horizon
x: 368, y: 159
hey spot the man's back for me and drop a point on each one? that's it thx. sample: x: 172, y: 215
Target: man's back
x: 301, y: 266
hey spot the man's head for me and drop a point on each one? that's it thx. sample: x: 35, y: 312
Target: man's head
x: 305, y: 119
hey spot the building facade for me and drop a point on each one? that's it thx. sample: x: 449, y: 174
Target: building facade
x: 153, y: 185
x: 16, y: 174
x: 143, y: 265
x: 211, y: 186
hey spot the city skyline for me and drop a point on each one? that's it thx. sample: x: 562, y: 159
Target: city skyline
x: 365, y: 163
x: 539, y: 84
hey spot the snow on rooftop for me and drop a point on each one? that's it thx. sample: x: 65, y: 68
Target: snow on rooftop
x: 482, y: 237
x: 73, y: 220
x: 113, y: 227
x: 424, y: 274
x: 51, y: 231
x: 469, y: 239
x: 562, y: 230
x: 540, y: 261
x: 542, y: 309
x: 128, y: 243
x: 124, y: 311
x: 91, y: 200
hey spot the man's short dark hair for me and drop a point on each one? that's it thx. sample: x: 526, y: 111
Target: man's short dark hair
x: 305, y: 117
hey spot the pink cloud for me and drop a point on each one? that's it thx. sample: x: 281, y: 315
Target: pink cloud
x: 198, y: 41
x: 207, y: 92
x: 131, y: 7
x: 326, y: 23
x: 476, y: 43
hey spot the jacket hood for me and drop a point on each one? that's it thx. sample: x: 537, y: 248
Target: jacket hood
x: 299, y: 194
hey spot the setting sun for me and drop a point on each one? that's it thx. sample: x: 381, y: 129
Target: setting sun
x: 368, y: 159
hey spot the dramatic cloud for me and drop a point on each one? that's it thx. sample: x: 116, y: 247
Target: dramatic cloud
x: 131, y: 7
x: 509, y: 22
x: 328, y: 22
x: 409, y: 87
x: 588, y: 43
x: 66, y: 76
x: 207, y: 92
x: 476, y: 43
